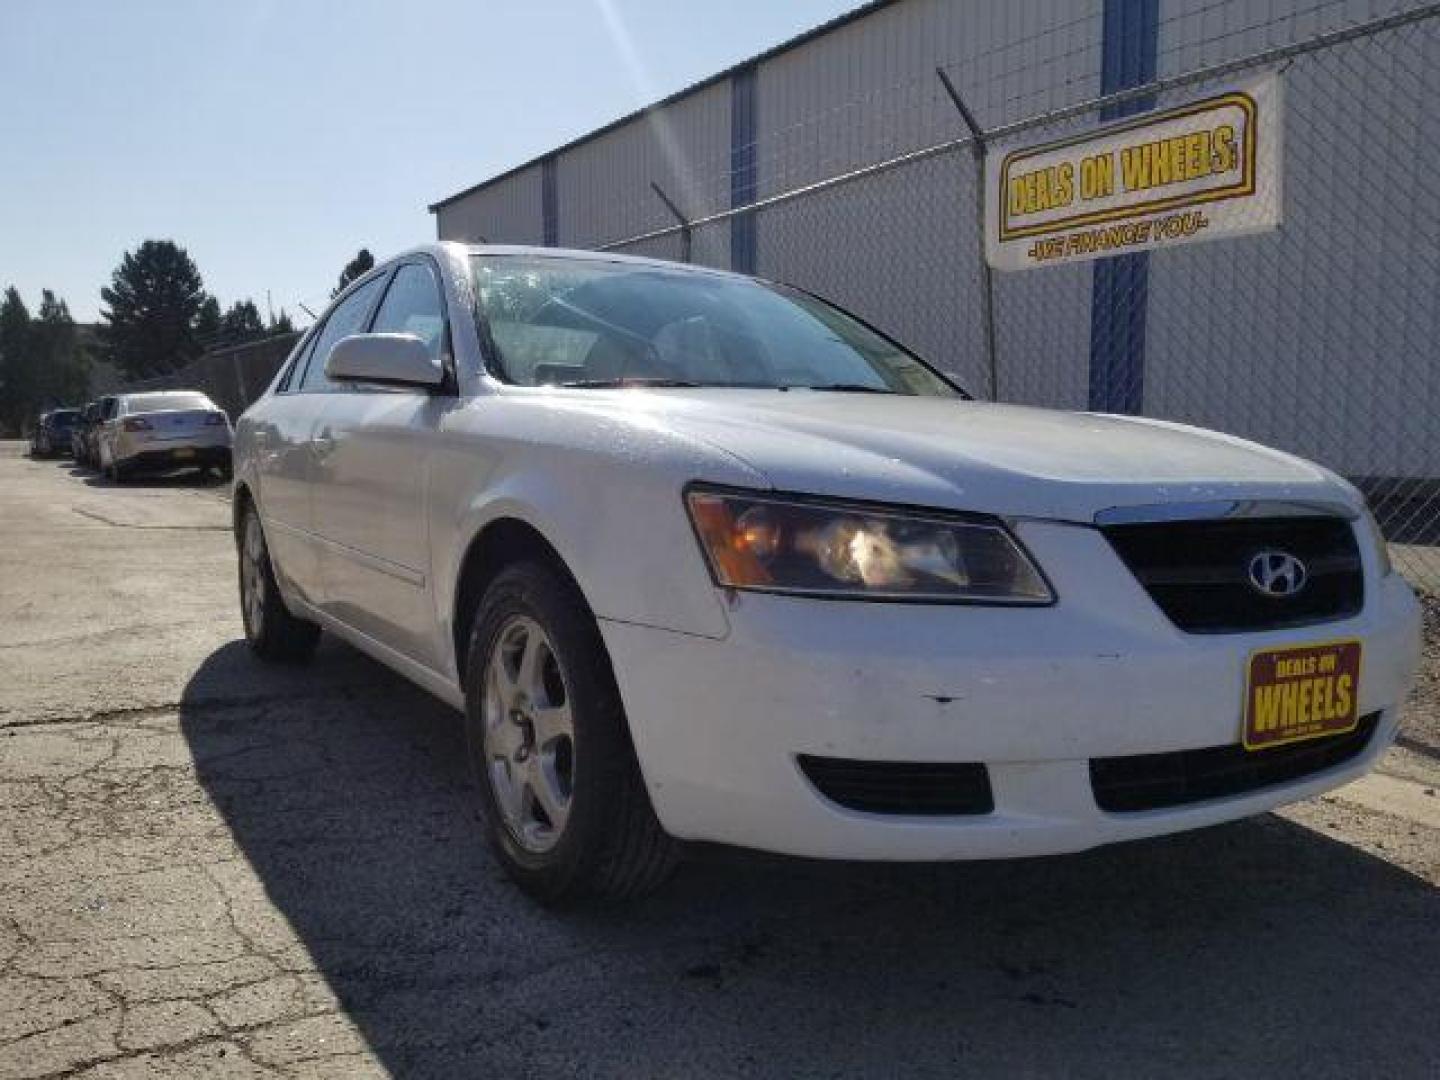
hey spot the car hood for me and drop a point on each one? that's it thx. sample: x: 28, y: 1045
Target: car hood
x: 967, y: 455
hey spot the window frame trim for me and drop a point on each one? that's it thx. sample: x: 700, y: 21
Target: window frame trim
x: 450, y: 383
x: 384, y: 271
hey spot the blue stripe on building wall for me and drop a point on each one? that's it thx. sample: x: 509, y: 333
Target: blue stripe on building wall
x: 549, y: 202
x: 744, y: 174
x: 1120, y: 285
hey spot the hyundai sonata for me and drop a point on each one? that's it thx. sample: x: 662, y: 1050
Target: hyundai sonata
x: 703, y: 557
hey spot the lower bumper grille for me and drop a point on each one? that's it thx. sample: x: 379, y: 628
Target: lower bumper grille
x: 935, y: 789
x: 1156, y: 781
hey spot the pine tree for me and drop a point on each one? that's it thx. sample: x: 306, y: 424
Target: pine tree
x: 41, y: 362
x: 241, y: 323
x: 17, y: 363
x: 359, y: 266
x: 154, y: 299
x: 207, y: 324
x: 63, y: 377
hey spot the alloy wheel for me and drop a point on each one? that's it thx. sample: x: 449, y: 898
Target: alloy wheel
x: 252, y: 576
x: 529, y: 734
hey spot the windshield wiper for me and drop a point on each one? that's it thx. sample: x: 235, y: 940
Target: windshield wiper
x: 848, y: 388
x: 607, y: 384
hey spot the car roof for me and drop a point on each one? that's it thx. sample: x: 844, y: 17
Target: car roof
x: 441, y: 248
x: 141, y: 395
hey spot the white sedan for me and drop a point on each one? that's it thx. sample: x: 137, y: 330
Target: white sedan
x: 162, y: 430
x: 703, y: 557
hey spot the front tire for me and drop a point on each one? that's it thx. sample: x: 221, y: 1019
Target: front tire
x: 562, y: 800
x: 270, y: 629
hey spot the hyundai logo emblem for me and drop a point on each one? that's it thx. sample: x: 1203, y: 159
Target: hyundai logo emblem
x: 1277, y: 574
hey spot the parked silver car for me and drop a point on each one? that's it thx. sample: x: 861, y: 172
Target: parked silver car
x: 164, y: 430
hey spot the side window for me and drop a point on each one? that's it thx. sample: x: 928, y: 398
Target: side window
x: 107, y: 408
x: 291, y: 380
x: 347, y: 319
x: 412, y: 305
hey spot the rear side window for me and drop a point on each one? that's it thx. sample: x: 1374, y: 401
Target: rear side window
x: 347, y: 319
x: 412, y: 305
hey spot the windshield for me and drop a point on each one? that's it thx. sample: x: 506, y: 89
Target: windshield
x: 581, y: 322
x: 63, y: 419
x: 183, y: 399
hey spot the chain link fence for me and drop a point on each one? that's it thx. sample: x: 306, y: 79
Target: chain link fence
x: 1319, y: 337
x: 232, y: 377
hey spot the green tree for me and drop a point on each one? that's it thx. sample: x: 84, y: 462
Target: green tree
x: 63, y: 368
x: 41, y: 362
x: 207, y: 324
x: 360, y: 265
x: 17, y: 363
x: 281, y: 324
x: 154, y: 299
x: 241, y: 323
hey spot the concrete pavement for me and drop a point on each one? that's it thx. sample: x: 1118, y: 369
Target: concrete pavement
x: 213, y: 867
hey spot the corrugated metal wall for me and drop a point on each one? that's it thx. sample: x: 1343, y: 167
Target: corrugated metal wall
x: 1313, y: 339
x: 861, y: 93
x: 605, y: 188
x: 506, y: 212
x: 1243, y: 335
x: 885, y: 246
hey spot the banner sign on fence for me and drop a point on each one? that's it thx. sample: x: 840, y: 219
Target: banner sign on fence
x: 1202, y: 171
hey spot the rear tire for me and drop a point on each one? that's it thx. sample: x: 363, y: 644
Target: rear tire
x: 271, y: 631
x: 548, y: 731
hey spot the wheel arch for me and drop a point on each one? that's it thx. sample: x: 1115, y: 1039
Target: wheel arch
x: 501, y: 542
x: 240, y: 501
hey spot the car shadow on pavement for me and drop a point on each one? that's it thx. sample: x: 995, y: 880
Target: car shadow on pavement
x: 163, y: 481
x: 1260, y: 948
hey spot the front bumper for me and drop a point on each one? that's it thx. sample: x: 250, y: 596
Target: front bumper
x: 1034, y: 694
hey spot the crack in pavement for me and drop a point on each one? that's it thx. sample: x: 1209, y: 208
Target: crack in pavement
x: 96, y: 516
x: 338, y: 694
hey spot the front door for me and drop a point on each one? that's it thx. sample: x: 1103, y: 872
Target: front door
x: 373, y: 450
x: 286, y: 449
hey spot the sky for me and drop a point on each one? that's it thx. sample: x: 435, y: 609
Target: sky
x: 274, y: 138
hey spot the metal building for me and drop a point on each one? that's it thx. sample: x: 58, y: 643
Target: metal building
x: 840, y: 161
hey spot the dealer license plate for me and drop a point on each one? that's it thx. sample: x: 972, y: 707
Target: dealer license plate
x: 183, y: 452
x: 1301, y: 692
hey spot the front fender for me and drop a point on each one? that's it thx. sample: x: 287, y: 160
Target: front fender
x: 623, y: 533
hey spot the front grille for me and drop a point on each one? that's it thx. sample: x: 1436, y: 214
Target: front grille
x: 902, y: 787
x: 1125, y: 785
x: 1198, y: 571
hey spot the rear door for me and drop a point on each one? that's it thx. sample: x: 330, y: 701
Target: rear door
x: 374, y: 448
x: 284, y: 438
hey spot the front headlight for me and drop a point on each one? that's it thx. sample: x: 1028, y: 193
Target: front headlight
x: 859, y: 552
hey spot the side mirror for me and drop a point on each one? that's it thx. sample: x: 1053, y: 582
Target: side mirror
x: 384, y: 359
